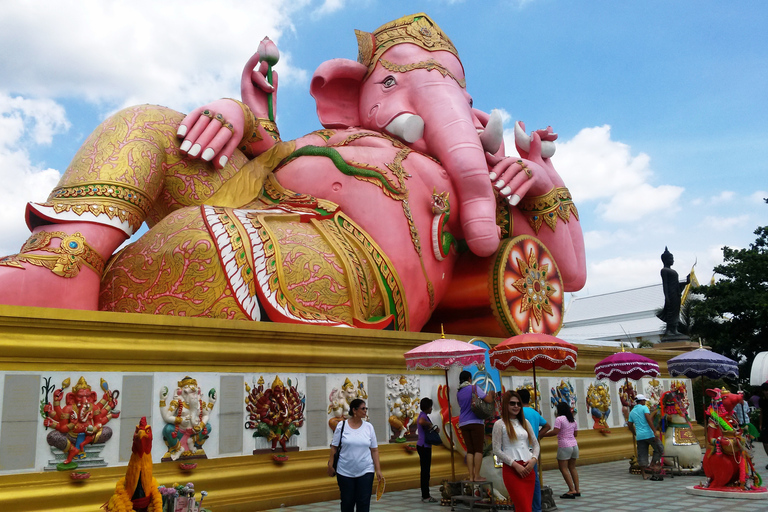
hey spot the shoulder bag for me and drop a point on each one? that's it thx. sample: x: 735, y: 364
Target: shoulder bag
x: 338, y: 450
x: 480, y: 407
x: 432, y: 436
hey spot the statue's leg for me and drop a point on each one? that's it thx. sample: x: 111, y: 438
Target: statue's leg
x: 173, y: 269
x: 130, y: 170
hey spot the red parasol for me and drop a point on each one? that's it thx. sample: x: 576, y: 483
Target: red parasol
x: 529, y: 350
x: 445, y: 353
x: 532, y: 349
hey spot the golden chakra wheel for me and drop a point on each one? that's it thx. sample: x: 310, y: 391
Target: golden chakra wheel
x: 527, y: 287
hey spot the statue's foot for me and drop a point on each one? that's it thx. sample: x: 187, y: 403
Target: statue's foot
x: 66, y: 466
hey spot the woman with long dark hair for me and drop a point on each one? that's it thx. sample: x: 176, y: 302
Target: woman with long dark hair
x: 566, y: 429
x: 512, y: 435
x: 358, y: 459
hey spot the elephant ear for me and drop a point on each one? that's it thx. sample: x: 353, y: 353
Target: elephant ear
x: 336, y: 89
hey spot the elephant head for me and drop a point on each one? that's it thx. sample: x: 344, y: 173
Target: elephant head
x: 409, y: 83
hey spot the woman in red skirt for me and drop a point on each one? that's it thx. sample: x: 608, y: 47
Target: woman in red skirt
x: 512, y: 439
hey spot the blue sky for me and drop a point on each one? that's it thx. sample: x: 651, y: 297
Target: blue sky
x: 661, y: 107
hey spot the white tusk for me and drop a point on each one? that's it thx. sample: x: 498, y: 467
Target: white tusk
x: 493, y: 134
x: 547, y: 148
x: 408, y: 127
x: 522, y: 139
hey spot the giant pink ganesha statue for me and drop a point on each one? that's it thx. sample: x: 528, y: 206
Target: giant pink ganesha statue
x: 362, y: 223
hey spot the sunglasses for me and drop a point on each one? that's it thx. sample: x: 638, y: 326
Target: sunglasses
x: 514, y: 404
x: 362, y: 408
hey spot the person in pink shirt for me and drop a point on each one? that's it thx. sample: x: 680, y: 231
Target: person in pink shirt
x: 566, y: 429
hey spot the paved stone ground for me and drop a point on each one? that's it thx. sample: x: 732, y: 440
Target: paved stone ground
x: 604, y: 487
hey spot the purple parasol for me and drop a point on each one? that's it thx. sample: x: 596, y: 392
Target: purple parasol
x: 703, y: 362
x: 626, y: 365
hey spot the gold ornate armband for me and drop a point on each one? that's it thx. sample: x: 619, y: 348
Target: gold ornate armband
x: 548, y: 207
x: 270, y: 127
x: 249, y: 130
x: 67, y: 258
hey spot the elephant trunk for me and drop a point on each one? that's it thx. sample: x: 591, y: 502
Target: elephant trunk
x: 452, y: 137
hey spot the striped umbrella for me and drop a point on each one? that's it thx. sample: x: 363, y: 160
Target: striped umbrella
x: 626, y: 365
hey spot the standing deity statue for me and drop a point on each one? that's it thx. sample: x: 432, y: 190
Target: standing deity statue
x: 673, y: 293
x: 186, y: 418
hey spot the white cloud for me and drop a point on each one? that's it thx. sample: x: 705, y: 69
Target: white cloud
x: 596, y: 168
x: 725, y: 223
x: 632, y: 204
x: 179, y: 54
x: 723, y: 197
x: 23, y: 123
x: 620, y: 274
x: 758, y: 196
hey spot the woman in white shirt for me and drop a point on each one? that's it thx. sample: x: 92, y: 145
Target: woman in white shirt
x: 358, y: 459
x: 512, y: 435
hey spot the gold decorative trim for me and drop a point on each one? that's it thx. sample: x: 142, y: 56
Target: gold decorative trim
x: 547, y: 208
x: 72, y: 252
x: 99, y: 199
x: 429, y: 65
x: 249, y: 130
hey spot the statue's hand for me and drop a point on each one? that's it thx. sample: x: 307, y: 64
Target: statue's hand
x: 163, y: 393
x: 539, y: 148
x: 57, y: 395
x: 255, y: 87
x: 515, y: 178
x: 213, y: 131
x: 212, y: 394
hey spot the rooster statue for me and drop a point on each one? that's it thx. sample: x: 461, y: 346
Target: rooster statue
x: 138, y: 490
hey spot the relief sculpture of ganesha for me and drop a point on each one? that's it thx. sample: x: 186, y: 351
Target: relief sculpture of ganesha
x: 372, y: 221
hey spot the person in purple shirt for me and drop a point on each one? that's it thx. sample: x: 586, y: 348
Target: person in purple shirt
x: 472, y: 428
x: 424, y: 424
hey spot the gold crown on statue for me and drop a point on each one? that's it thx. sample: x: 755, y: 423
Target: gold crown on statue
x: 418, y: 29
x: 81, y: 384
x: 277, y: 382
x: 187, y: 381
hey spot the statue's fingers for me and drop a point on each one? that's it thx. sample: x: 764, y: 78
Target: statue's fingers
x: 223, y: 158
x: 516, y: 183
x: 520, y: 192
x: 197, y: 129
x: 217, y: 143
x: 188, y: 121
x: 260, y: 81
x: 205, y: 138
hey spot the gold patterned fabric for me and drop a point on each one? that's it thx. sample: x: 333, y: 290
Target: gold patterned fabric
x: 130, y: 170
x: 171, y: 270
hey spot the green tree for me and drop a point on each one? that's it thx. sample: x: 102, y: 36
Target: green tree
x: 733, y: 315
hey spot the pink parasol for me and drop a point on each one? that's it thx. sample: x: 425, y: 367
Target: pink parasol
x: 445, y: 353
x: 626, y: 365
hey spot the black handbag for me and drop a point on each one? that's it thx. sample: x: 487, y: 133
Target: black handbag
x: 432, y: 437
x: 338, y: 450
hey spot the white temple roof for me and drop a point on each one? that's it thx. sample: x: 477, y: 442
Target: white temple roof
x: 617, y: 316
